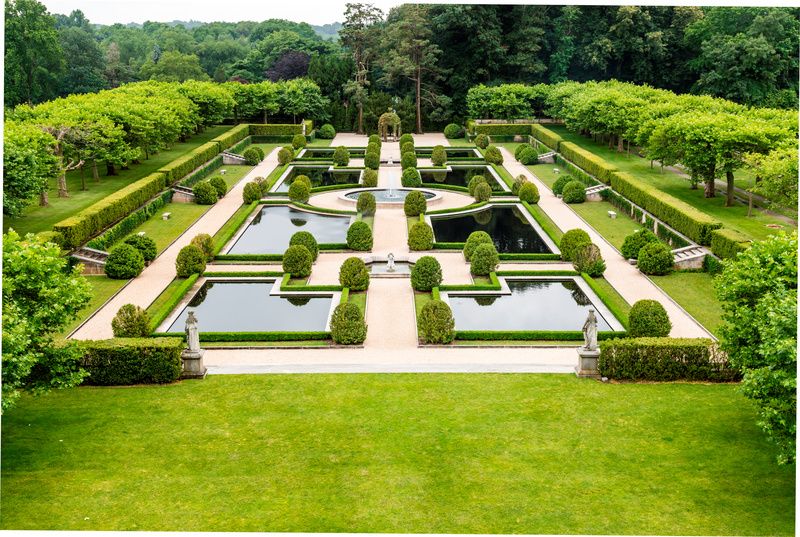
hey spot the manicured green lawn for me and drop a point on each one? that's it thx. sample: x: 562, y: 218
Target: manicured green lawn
x: 545, y: 173
x: 614, y: 230
x: 542, y: 454
x: 234, y: 174
x: 102, y: 289
x: 695, y: 292
x: 360, y: 300
x: 37, y: 218
x: 166, y: 231
x: 672, y: 183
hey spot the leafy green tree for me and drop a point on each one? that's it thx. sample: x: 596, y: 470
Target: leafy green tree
x: 84, y: 62
x: 776, y: 175
x: 174, y: 66
x: 28, y: 165
x: 41, y: 296
x: 359, y: 34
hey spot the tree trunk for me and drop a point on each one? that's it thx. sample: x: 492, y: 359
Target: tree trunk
x: 62, y: 186
x: 44, y: 198
x: 620, y: 144
x: 710, y: 190
x: 360, y: 119
x: 749, y: 204
x: 419, y: 103
x: 95, y: 174
x: 110, y: 170
x: 729, y: 196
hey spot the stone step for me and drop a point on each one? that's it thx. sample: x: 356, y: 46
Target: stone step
x: 596, y: 189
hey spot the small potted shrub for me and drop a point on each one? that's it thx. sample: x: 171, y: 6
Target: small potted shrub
x: 359, y: 236
x: 190, y: 260
x: 415, y: 204
x: 426, y: 273
x: 648, y: 318
x: 436, y: 323
x: 420, y: 237
x: 354, y: 274
x: 297, y: 261
x: 484, y: 260
x: 572, y: 241
x: 306, y: 239
x: 124, y: 262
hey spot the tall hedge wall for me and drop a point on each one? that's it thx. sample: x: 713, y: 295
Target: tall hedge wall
x: 546, y: 136
x: 503, y: 129
x: 182, y: 166
x: 726, y: 243
x: 232, y: 136
x: 664, y: 359
x: 587, y: 160
x: 693, y: 223
x: 123, y: 361
x: 130, y: 222
x: 79, y: 228
x: 287, y: 129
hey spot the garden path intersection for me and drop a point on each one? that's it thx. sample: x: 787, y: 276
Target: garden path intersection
x: 392, y: 342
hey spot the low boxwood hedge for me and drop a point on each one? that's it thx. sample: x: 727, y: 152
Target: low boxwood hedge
x: 727, y: 243
x: 126, y: 361
x: 528, y: 335
x: 546, y: 136
x: 588, y: 161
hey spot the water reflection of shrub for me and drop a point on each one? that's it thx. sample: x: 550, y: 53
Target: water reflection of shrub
x: 298, y: 222
x: 483, y: 218
x: 485, y: 300
x: 439, y: 177
x: 578, y: 295
x: 200, y: 297
x: 298, y: 301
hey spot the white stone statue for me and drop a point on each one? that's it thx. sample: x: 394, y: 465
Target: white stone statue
x: 390, y: 263
x: 192, y: 335
x: 590, y: 332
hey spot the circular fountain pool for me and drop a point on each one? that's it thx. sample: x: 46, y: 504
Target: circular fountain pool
x: 388, y: 195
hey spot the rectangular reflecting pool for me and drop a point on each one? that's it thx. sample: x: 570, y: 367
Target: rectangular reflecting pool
x: 327, y: 153
x: 532, y: 305
x: 451, y: 152
x: 459, y: 176
x: 509, y: 228
x: 269, y: 232
x: 320, y: 176
x: 248, y: 307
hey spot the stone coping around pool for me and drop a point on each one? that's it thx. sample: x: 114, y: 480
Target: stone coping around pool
x: 449, y: 167
x: 274, y: 291
x: 226, y: 249
x: 437, y: 196
x: 534, y: 224
x: 597, y: 301
x: 451, y: 149
x: 328, y: 167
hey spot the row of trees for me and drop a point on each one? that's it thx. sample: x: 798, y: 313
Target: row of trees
x: 123, y: 125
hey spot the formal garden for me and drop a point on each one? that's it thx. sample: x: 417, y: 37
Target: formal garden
x: 569, y: 309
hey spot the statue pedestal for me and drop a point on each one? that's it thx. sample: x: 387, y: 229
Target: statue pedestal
x: 192, y: 362
x: 587, y: 363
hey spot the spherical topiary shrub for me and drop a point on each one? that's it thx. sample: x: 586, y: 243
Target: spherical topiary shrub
x: 285, y: 156
x: 341, y: 156
x: 347, y: 325
x: 373, y: 147
x: 411, y: 178
x: 589, y: 260
x: 205, y: 242
x: 303, y: 179
x: 260, y: 152
x: 453, y: 131
x: 204, y: 193
x: 426, y: 273
x: 354, y: 274
x: 574, y: 192
x: 648, y: 318
x: 655, y: 258
x: 528, y: 156
x: 482, y: 141
x: 251, y: 156
x: 438, y: 156
x: 420, y: 237
x: 407, y: 147
x: 483, y: 192
x: 436, y: 323
x: 493, y: 155
x: 474, y: 182
x: 359, y: 236
x: 370, y: 178
x: 484, y: 260
x: 298, y: 141
x: 131, y: 321
x: 191, y: 260
x: 415, y: 204
x: 366, y: 204
x: 219, y: 185
x: 145, y: 245
x: 374, y: 139
x: 251, y: 192
x: 529, y: 193
x: 520, y: 148
x: 326, y: 132
x: 475, y: 239
x: 572, y: 241
x: 297, y: 261
x: 372, y: 160
x: 306, y: 239
x: 123, y: 262
x: 518, y: 182
x: 406, y: 138
x: 408, y: 160
x: 560, y: 183
x: 636, y: 241
x: 299, y: 191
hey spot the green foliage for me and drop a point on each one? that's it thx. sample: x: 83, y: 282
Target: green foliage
x: 406, y: 138
x: 373, y: 147
x: 572, y: 241
x: 426, y: 273
x: 727, y: 243
x: 547, y: 137
x: 347, y: 325
x: 354, y: 274
x: 529, y: 193
x: 127, y: 224
x: 438, y: 156
x: 297, y: 260
x: 126, y: 361
x: 326, y: 132
x: 503, y: 129
x: 420, y: 237
x: 131, y: 321
x: 366, y: 204
x: 41, y: 297
x: 182, y: 166
x: 253, y: 155
x: 574, y: 192
x: 374, y: 139
x: 493, y: 155
x: 664, y: 359
x: 484, y: 260
x: 28, y: 165
x: 415, y: 204
x: 411, y: 178
x: 191, y: 260
x: 306, y: 239
x: 636, y: 241
x: 518, y: 182
x: 124, y: 262
x: 452, y: 131
x: 591, y: 163
x: 482, y: 141
x: 145, y: 245
x: 251, y: 192
x: 588, y: 260
x: 655, y: 258
x: 372, y: 160
x: 474, y: 182
x: 298, y: 141
x: 341, y: 156
x: 359, y: 236
x: 560, y: 183
x: 482, y: 192
x: 204, y: 193
x: 407, y: 147
x: 648, y: 318
x: 436, y: 323
x: 219, y: 185
x: 528, y: 156
x: 299, y: 191
x: 475, y: 239
x: 232, y: 137
x: 370, y: 178
x: 758, y: 291
x: 285, y: 156
x: 205, y: 242
x: 408, y: 160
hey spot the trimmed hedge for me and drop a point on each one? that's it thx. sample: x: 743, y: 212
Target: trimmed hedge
x: 648, y: 318
x: 588, y: 161
x: 347, y: 325
x: 127, y: 224
x: 125, y: 361
x: 410, y: 178
x: 415, y: 204
x: 664, y: 359
x: 372, y: 160
x: 529, y: 335
x: 436, y: 323
x: 354, y: 274
x: 426, y: 273
x: 503, y: 129
x: 546, y: 136
x: 217, y: 337
x: 483, y: 260
x: 297, y: 260
x: 306, y: 239
x: 275, y: 129
x: 727, y: 243
x: 157, y: 316
x: 341, y: 156
x: 359, y: 236
x: 420, y: 237
x: 369, y: 178
x: 183, y: 166
x: 366, y: 204
x: 124, y: 262
x: 232, y: 136
x: 408, y: 160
